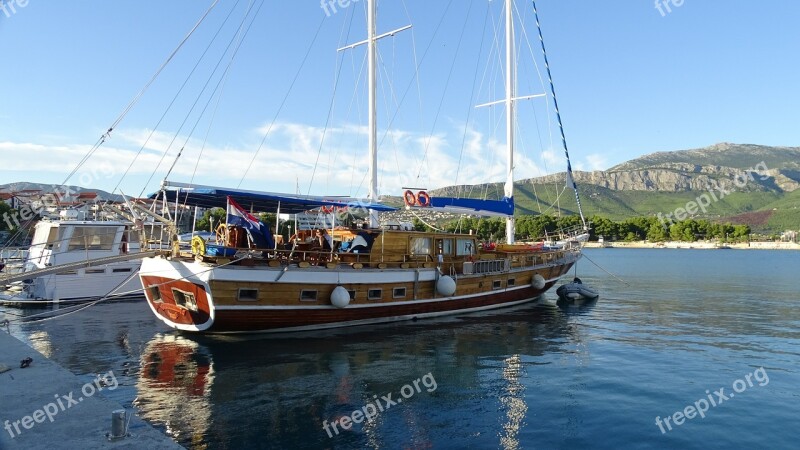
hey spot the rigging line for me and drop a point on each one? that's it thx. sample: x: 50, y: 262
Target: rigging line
x: 487, y: 75
x: 121, y: 294
x: 471, y: 101
x: 547, y: 111
x: 604, y: 270
x: 355, y: 98
x: 424, y: 54
x: 327, y: 121
x: 444, y: 92
x: 241, y: 37
x: 344, y: 36
x: 138, y: 96
x: 526, y: 39
x: 283, y: 101
x: 558, y: 116
x: 175, y: 98
x: 387, y: 79
x: 80, y: 307
x: 417, y: 216
x: 208, y: 131
x: 197, y: 100
x: 416, y: 75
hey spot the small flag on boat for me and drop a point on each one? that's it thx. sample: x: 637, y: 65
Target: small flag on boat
x: 258, y: 232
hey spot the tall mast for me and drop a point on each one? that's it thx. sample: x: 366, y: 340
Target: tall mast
x: 373, y: 114
x: 372, y: 81
x: 510, y: 98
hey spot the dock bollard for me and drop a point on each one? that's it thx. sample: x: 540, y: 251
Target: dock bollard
x: 118, y: 431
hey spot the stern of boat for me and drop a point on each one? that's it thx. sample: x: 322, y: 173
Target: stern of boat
x: 177, y: 294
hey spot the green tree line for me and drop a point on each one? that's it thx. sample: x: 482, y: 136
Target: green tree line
x: 536, y: 227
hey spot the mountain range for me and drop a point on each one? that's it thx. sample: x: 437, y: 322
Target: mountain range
x: 760, y: 186
x: 743, y: 183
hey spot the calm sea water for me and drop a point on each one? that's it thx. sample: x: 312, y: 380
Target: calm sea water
x: 682, y: 325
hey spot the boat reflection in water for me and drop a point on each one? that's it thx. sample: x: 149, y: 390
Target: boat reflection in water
x: 270, y: 392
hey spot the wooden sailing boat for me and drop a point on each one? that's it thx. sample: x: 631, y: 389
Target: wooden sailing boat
x: 402, y: 274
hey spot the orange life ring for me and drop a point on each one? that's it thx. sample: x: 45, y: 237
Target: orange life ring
x: 327, y: 209
x: 423, y: 199
x: 410, y: 198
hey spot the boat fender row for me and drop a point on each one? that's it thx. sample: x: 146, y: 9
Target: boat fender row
x: 445, y: 286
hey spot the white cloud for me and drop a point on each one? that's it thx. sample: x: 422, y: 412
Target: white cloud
x: 596, y: 161
x: 286, y: 160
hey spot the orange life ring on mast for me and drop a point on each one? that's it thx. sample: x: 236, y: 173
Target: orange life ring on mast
x: 423, y: 199
x: 410, y: 198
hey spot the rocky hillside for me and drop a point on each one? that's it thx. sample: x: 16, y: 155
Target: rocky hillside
x: 760, y: 178
x: 773, y: 168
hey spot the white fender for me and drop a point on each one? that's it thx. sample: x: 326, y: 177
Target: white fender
x: 340, y: 297
x: 446, y: 286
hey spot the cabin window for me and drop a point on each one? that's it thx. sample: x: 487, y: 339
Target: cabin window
x: 497, y: 284
x: 53, y: 238
x: 421, y: 246
x: 68, y: 272
x: 308, y: 295
x: 465, y: 247
x: 511, y: 282
x: 445, y: 246
x: 248, y: 295
x: 122, y: 270
x: 352, y: 293
x: 399, y: 292
x: 375, y: 294
x: 155, y: 294
x: 92, y: 238
x: 185, y: 299
x: 93, y: 271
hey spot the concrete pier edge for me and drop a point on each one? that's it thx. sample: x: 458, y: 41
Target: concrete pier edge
x: 50, y: 408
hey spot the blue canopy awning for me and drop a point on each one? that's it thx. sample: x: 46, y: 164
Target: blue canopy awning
x: 217, y: 197
x: 504, y: 207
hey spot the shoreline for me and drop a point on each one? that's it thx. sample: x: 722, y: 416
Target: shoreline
x: 703, y: 245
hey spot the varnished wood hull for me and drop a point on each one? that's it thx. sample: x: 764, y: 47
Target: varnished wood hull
x: 243, y: 320
x: 279, y: 306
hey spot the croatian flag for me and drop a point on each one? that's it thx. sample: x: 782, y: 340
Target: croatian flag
x: 257, y: 231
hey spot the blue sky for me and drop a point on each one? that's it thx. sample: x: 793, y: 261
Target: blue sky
x: 630, y: 81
